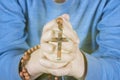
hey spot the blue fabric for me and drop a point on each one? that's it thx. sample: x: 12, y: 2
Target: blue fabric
x: 97, y: 23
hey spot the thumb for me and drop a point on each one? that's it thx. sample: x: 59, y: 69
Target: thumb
x: 66, y: 17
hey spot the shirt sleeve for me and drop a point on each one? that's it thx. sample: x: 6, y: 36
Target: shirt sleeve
x: 104, y: 63
x: 12, y: 39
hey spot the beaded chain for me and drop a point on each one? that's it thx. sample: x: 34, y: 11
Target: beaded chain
x: 23, y: 71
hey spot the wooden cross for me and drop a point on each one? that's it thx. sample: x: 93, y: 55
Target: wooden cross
x: 59, y: 39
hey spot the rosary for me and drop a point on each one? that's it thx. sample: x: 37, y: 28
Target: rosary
x: 59, y: 40
x: 23, y: 71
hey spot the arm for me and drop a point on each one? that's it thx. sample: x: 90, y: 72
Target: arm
x: 12, y: 39
x: 104, y: 63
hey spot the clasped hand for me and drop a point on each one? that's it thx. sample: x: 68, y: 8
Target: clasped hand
x: 45, y: 60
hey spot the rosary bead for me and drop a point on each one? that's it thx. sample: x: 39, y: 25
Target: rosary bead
x: 59, y: 20
x: 21, y: 74
x: 32, y: 49
x: 24, y: 70
x: 38, y: 46
x: 26, y: 74
x: 56, y: 78
x: 22, y: 61
x: 26, y: 57
x: 27, y: 77
x: 26, y: 53
x: 35, y: 48
x: 29, y: 51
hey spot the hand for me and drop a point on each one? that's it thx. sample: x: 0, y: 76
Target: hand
x: 35, y: 65
x: 51, y: 31
x: 71, y: 54
x: 40, y: 59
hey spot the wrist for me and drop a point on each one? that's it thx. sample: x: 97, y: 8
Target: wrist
x: 84, y: 66
x: 22, y: 69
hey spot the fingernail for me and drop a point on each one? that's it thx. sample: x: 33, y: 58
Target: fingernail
x: 66, y: 16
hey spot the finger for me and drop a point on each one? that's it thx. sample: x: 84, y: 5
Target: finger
x: 53, y: 24
x: 68, y: 46
x: 60, y: 72
x: 47, y: 48
x: 64, y: 57
x: 67, y: 28
x: 69, y: 32
x: 50, y: 25
x: 46, y: 36
x: 66, y: 16
x: 48, y: 64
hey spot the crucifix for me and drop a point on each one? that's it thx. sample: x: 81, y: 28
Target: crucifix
x: 59, y: 39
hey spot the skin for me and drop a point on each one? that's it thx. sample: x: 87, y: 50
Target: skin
x: 44, y: 59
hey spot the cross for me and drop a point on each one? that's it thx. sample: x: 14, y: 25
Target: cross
x: 59, y: 39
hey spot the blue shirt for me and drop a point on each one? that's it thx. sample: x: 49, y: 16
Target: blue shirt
x: 97, y: 23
